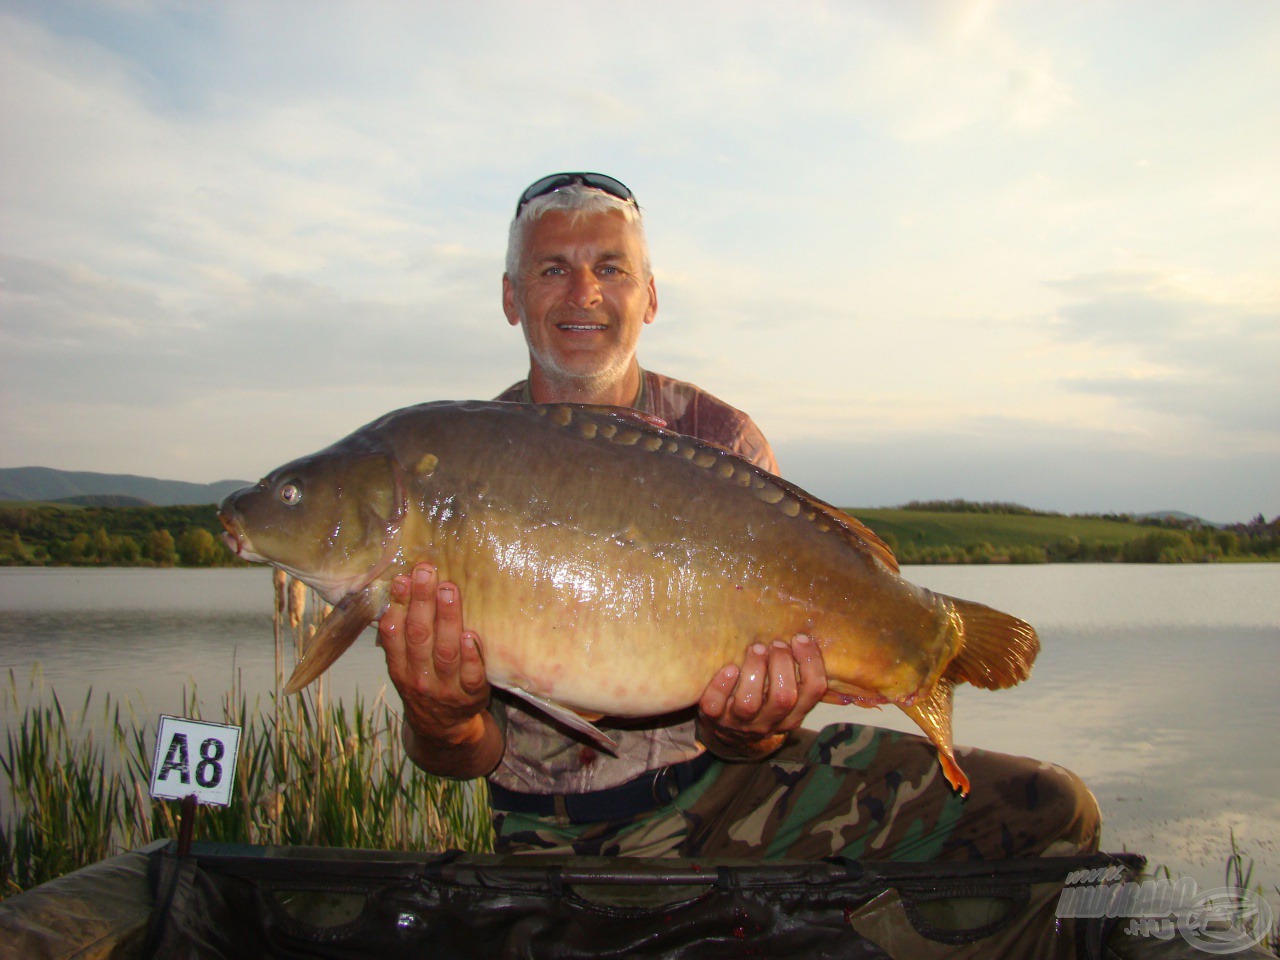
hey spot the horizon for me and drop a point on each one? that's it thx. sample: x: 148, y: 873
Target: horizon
x: 992, y: 251
x: 1172, y: 512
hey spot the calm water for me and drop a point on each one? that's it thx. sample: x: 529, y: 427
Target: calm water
x: 1157, y: 684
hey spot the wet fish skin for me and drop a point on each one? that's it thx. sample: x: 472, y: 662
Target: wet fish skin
x: 611, y: 566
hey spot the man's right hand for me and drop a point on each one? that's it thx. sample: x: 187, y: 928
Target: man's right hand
x: 437, y: 668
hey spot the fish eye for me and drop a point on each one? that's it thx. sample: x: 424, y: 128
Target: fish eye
x: 290, y: 493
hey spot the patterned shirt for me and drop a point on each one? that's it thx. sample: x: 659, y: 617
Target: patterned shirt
x: 539, y: 757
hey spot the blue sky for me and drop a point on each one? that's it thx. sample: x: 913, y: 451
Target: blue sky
x: 1017, y: 251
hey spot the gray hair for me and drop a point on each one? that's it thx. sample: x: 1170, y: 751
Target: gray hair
x: 578, y: 201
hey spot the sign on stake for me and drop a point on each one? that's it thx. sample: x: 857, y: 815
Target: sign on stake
x: 195, y: 758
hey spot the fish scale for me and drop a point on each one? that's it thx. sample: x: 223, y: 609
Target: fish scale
x: 611, y: 566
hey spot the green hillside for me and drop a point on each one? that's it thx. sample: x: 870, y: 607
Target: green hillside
x: 979, y: 536
x: 932, y: 529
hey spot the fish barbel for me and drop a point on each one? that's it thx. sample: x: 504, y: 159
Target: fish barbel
x: 610, y: 566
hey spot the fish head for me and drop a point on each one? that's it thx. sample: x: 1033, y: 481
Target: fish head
x: 331, y: 519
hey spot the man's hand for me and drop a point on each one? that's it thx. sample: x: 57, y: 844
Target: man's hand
x: 746, y: 712
x: 437, y: 668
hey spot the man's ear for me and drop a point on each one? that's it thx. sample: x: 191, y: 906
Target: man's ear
x: 509, y: 301
x: 653, y: 301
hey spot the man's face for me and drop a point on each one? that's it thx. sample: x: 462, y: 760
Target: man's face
x: 581, y: 295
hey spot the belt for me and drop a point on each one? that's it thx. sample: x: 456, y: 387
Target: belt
x: 646, y: 792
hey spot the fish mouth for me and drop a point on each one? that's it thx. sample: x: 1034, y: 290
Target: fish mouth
x: 237, y: 541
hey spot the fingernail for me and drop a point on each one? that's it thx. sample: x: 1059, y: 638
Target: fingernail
x: 780, y: 645
x: 803, y: 638
x: 421, y: 574
x: 398, y: 588
x: 758, y: 648
x: 446, y: 594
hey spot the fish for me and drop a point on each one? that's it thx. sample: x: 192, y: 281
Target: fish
x: 611, y: 566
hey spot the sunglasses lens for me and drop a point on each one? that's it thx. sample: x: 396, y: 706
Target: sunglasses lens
x: 558, y: 181
x: 609, y: 185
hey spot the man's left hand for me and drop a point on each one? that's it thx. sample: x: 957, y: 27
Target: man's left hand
x: 750, y: 709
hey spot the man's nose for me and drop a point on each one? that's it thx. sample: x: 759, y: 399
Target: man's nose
x: 584, y: 288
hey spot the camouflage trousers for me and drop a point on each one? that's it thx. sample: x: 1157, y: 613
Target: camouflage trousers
x: 849, y: 790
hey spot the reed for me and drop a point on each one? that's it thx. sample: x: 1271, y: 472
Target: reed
x: 311, y: 772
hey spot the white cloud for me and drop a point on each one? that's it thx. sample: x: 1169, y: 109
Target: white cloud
x: 1199, y: 357
x: 861, y: 217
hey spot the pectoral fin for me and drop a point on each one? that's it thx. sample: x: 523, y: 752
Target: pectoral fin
x: 336, y: 633
x: 569, y: 718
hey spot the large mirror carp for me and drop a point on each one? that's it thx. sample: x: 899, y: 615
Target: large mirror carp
x: 610, y: 566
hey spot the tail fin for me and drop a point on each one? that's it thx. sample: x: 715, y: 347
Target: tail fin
x: 998, y: 649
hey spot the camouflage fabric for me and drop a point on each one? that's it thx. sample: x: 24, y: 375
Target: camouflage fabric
x: 848, y: 790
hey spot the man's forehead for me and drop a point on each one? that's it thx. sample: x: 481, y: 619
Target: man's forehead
x: 558, y: 235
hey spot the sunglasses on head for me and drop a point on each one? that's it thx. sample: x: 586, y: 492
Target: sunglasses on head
x: 558, y: 181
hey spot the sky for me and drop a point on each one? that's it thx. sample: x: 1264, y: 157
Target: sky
x: 1021, y: 251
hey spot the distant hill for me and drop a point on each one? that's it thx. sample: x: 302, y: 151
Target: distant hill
x: 74, y: 486
x: 104, y: 500
x: 1177, y: 515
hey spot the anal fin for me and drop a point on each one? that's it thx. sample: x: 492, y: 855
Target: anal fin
x: 933, y: 715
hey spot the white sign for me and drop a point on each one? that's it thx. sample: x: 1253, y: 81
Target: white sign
x: 194, y: 757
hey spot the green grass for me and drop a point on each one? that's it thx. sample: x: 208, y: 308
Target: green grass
x: 311, y: 772
x: 993, y: 536
x: 937, y: 529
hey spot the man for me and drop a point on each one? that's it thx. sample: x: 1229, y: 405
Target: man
x: 737, y: 777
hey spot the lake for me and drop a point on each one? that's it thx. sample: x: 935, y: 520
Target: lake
x: 1157, y: 684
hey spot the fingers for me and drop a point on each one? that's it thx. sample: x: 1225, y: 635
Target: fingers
x: 811, y: 672
x: 420, y: 619
x: 772, y: 692
x: 447, y: 627
x: 421, y: 630
x: 391, y: 625
x: 718, y: 693
x: 436, y: 665
x: 749, y: 693
x: 471, y: 675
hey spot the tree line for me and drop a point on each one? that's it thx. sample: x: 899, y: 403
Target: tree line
x: 55, y: 535
x: 187, y: 536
